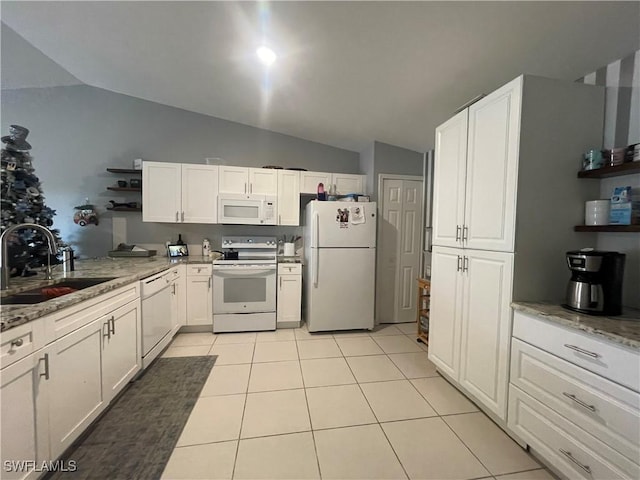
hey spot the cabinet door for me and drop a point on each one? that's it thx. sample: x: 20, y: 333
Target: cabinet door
x: 345, y: 183
x: 121, y: 356
x: 486, y: 327
x: 309, y: 181
x: 199, y: 301
x: 289, y: 300
x: 161, y: 192
x: 75, y: 388
x: 449, y: 181
x: 492, y: 167
x: 288, y: 197
x: 179, y: 299
x: 24, y: 427
x: 199, y: 194
x: 263, y: 181
x: 233, y: 179
x: 445, y: 314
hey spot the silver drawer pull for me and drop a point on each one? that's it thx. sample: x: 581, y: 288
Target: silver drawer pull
x: 573, y: 459
x: 46, y: 366
x: 579, y: 402
x: 581, y: 350
x: 17, y: 343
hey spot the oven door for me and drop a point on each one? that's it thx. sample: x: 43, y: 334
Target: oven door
x: 244, y: 288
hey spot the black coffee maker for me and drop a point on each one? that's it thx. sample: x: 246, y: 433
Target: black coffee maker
x: 595, y: 286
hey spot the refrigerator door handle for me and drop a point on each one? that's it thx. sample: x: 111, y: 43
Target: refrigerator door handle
x: 316, y: 235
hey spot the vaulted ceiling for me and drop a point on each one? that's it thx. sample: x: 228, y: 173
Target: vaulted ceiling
x: 347, y: 73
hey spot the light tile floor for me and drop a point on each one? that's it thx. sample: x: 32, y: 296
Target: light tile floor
x: 359, y: 405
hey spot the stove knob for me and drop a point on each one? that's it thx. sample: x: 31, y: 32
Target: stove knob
x: 250, y: 240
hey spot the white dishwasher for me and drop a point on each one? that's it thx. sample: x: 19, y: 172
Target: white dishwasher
x: 156, y: 315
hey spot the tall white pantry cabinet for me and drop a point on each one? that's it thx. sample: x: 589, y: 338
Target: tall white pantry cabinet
x: 506, y: 197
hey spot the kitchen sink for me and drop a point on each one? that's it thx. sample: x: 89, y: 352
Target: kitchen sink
x: 36, y: 295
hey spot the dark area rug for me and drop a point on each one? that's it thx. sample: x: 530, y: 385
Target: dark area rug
x: 136, y: 436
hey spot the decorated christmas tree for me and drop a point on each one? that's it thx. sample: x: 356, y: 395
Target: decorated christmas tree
x: 23, y: 202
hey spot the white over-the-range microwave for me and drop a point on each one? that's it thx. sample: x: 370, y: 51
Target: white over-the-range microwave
x: 247, y: 209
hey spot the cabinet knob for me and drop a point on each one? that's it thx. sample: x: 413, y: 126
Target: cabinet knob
x: 17, y: 343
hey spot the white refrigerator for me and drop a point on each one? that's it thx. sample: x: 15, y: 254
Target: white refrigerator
x: 339, y: 265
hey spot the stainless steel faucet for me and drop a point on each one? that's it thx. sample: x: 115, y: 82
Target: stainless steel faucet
x: 4, y: 260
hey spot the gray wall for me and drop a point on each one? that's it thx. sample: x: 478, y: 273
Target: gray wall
x: 79, y: 131
x: 385, y: 158
x: 621, y: 80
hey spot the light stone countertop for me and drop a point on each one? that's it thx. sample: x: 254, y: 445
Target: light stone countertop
x: 124, y: 271
x: 623, y: 329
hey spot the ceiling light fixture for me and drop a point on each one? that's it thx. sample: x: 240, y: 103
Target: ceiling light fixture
x: 266, y: 55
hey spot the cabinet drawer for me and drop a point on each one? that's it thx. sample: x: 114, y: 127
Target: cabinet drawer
x: 564, y: 445
x: 603, y: 408
x: 200, y: 270
x: 20, y: 341
x: 66, y: 321
x: 612, y: 361
x: 289, y: 269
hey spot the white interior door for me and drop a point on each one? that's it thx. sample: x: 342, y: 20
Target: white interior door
x: 398, y: 249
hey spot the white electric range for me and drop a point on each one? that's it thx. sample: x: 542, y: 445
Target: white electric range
x: 244, y: 285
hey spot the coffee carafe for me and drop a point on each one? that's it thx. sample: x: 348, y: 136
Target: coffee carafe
x: 595, y: 286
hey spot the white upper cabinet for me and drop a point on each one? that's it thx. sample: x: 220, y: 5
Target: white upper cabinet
x: 161, y: 192
x: 199, y: 193
x: 449, y: 184
x: 288, y: 197
x: 309, y: 181
x: 341, y: 183
x: 345, y: 183
x: 263, y: 181
x: 476, y: 172
x: 179, y: 193
x: 244, y: 180
x: 233, y: 179
x: 492, y: 166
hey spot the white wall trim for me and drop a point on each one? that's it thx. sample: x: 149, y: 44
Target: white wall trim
x: 393, y: 176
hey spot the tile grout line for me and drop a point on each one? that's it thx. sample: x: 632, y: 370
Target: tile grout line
x: 244, y: 408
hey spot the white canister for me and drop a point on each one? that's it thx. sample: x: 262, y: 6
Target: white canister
x: 289, y: 250
x: 206, y: 247
x: 596, y: 212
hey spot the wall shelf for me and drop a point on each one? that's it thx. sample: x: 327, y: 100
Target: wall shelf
x: 605, y: 172
x: 125, y: 209
x: 125, y: 189
x: 422, y: 315
x: 607, y: 228
x: 123, y: 170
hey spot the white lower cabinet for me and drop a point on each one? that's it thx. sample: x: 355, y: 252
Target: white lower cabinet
x: 289, y: 296
x: 199, y: 295
x: 52, y: 394
x: 569, y: 402
x: 87, y: 368
x: 470, y: 322
x: 563, y: 444
x: 74, y: 374
x: 24, y: 428
x: 179, y: 298
x: 120, y: 349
